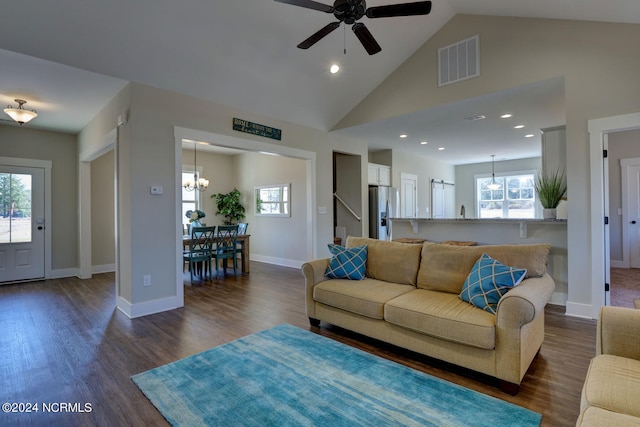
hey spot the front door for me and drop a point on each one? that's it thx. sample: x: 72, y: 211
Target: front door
x: 22, y: 222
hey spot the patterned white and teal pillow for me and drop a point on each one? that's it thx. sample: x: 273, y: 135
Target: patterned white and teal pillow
x: 347, y: 263
x: 488, y: 281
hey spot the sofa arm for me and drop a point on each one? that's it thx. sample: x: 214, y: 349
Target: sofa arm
x: 313, y: 272
x: 618, y: 332
x: 525, y: 302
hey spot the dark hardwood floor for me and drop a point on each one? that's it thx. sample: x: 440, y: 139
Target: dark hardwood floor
x: 63, y: 342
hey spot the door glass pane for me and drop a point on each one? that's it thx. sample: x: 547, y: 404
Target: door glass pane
x: 15, y: 208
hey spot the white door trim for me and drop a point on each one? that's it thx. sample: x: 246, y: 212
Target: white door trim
x: 598, y: 128
x: 46, y: 165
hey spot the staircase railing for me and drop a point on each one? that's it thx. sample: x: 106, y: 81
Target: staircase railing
x: 355, y: 215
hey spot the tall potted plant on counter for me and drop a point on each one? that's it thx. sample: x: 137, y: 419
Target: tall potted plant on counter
x: 229, y: 206
x: 550, y: 190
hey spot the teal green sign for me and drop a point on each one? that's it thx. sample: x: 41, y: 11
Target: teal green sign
x: 256, y: 129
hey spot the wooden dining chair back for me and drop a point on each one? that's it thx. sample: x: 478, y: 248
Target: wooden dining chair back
x: 226, y: 241
x: 200, y: 249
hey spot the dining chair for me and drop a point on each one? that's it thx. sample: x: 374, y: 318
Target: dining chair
x: 200, y: 249
x: 226, y: 242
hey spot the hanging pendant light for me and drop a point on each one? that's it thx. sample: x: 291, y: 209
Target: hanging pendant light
x: 494, y: 185
x: 199, y: 184
x: 19, y: 114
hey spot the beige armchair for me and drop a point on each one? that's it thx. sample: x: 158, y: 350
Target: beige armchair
x: 611, y: 392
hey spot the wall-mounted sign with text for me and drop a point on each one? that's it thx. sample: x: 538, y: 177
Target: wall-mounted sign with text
x: 256, y: 129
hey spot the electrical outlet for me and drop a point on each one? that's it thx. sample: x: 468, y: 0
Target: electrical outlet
x: 146, y: 280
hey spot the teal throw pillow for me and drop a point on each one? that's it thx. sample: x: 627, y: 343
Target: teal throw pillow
x: 488, y: 281
x: 347, y: 263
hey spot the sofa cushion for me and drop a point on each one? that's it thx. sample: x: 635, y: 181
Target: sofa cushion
x: 488, y: 281
x: 445, y: 267
x: 347, y: 263
x: 365, y: 297
x: 442, y: 315
x: 390, y: 261
x: 613, y: 384
x: 597, y: 417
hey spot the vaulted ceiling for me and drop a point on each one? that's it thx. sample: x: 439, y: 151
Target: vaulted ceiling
x: 68, y: 58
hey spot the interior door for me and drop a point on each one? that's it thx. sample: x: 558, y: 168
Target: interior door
x: 632, y: 173
x: 408, y: 192
x: 22, y: 222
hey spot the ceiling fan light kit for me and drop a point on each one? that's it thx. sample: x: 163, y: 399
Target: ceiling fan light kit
x: 19, y: 114
x: 350, y: 11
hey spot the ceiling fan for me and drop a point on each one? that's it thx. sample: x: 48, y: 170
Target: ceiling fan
x: 350, y: 11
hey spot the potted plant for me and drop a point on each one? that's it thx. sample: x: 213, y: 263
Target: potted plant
x: 550, y: 190
x: 229, y: 206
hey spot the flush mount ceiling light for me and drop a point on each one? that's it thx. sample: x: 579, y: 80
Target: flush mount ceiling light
x: 494, y: 185
x: 529, y: 135
x: 403, y: 135
x: 19, y: 114
x: 423, y: 142
x: 334, y: 68
x: 199, y: 184
x: 518, y: 126
x: 506, y: 116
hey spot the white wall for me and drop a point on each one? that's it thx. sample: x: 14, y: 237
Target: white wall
x: 276, y: 240
x: 601, y: 80
x: 147, y: 156
x: 426, y: 169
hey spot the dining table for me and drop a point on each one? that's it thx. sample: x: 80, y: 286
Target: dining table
x: 243, y: 241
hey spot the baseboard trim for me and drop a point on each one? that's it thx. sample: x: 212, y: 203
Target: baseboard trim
x: 277, y: 261
x: 64, y: 272
x: 579, y: 310
x: 617, y: 264
x: 105, y: 268
x: 148, y: 307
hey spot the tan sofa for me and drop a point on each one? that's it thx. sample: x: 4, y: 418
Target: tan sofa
x: 409, y: 298
x: 611, y: 392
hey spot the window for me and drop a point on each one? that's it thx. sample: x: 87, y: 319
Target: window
x: 190, y: 199
x: 15, y: 208
x: 273, y: 200
x: 515, y: 197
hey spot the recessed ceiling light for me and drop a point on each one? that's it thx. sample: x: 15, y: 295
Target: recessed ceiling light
x: 440, y: 148
x: 474, y: 118
x: 529, y: 135
x: 403, y: 135
x: 334, y: 68
x: 506, y: 116
x: 518, y: 126
x: 423, y: 142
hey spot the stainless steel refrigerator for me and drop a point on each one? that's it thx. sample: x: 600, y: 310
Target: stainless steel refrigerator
x: 384, y: 203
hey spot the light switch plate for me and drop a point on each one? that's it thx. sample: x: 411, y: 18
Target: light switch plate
x: 156, y: 190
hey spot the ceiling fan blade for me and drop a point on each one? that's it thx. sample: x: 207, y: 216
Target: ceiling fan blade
x: 315, y: 38
x: 404, y: 9
x: 364, y: 35
x: 309, y: 4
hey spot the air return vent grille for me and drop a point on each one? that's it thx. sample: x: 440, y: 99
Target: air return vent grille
x: 459, y: 61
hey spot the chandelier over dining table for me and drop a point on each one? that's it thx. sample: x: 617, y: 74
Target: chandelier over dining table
x: 198, y: 183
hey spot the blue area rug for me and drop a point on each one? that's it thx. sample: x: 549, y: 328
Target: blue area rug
x: 286, y: 376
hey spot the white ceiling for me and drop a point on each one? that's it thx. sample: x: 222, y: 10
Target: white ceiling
x: 70, y: 57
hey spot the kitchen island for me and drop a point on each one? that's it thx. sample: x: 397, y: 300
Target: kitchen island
x: 496, y: 231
